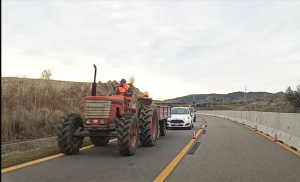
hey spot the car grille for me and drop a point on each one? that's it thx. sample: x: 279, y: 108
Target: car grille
x: 177, y: 121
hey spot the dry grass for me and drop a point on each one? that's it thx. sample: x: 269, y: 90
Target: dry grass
x: 32, y: 108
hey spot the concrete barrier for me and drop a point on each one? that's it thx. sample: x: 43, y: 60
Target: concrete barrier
x: 28, y: 145
x: 283, y: 126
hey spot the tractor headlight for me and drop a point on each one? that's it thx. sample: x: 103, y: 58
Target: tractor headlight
x: 88, y: 121
x: 102, y: 121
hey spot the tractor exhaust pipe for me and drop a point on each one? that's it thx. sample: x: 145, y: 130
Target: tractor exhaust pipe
x: 94, y: 85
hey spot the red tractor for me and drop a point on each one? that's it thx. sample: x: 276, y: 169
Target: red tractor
x: 108, y: 117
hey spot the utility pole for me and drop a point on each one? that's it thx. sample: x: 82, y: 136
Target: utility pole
x: 245, y: 95
x: 213, y: 99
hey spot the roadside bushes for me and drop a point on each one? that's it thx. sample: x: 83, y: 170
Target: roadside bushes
x: 19, y: 123
x: 293, y: 96
x: 31, y: 108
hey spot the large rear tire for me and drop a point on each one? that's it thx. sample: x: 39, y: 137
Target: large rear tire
x: 163, y: 127
x: 149, y: 126
x: 99, y: 141
x: 127, y: 133
x: 68, y: 144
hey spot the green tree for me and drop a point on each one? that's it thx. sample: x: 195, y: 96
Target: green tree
x: 46, y: 74
x: 293, y: 96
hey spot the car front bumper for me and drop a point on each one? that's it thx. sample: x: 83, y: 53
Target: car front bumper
x: 178, y: 125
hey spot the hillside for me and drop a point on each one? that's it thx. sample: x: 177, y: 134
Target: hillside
x: 271, y: 103
x: 86, y: 87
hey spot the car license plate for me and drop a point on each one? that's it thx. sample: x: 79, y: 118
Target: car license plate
x: 177, y: 124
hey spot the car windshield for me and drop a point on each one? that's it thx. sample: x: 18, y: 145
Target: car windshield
x: 180, y: 111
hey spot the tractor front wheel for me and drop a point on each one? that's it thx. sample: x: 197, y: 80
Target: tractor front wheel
x: 127, y: 134
x: 67, y: 143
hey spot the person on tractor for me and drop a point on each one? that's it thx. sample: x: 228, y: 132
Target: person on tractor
x: 125, y: 89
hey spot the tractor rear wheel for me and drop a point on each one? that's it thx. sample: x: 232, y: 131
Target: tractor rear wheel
x: 149, y: 126
x: 67, y: 143
x: 99, y: 141
x: 127, y: 134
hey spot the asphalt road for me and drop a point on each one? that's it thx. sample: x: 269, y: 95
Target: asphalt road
x: 232, y: 152
x: 228, y: 152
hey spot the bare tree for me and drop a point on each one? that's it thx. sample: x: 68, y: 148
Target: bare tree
x: 131, y: 80
x: 46, y: 74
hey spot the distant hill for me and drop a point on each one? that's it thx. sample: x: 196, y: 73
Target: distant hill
x: 256, y: 101
x: 205, y: 98
x: 270, y: 103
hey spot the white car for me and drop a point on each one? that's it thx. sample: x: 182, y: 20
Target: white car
x: 181, y: 117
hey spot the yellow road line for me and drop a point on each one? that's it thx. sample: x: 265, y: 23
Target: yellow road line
x: 165, y: 173
x: 43, y: 159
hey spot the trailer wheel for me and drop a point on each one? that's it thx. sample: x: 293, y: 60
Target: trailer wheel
x: 163, y: 128
x: 148, y: 125
x: 127, y: 134
x: 158, y: 134
x: 68, y: 144
x: 99, y: 141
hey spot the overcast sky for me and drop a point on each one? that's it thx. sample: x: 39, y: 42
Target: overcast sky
x: 172, y: 48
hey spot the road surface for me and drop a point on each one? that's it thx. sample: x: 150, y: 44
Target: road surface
x: 227, y: 151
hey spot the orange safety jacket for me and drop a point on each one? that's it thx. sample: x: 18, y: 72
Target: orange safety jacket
x: 125, y: 88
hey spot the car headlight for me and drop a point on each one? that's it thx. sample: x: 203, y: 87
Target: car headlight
x: 169, y: 119
x: 186, y: 119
